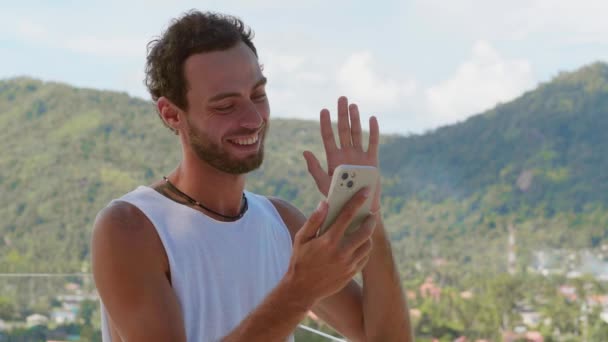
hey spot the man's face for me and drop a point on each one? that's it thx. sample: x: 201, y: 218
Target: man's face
x: 228, y: 110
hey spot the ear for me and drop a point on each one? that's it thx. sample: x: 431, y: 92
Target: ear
x: 170, y: 113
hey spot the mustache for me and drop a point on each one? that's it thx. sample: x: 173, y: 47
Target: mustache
x: 262, y: 129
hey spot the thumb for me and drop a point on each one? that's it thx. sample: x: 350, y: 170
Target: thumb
x: 311, y: 226
x: 317, y: 172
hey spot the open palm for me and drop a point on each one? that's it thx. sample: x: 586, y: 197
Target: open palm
x: 350, y: 150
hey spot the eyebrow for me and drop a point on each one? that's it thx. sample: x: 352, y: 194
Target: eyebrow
x: 222, y: 96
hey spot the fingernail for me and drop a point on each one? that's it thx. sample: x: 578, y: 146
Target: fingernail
x: 366, y: 192
x: 321, y: 205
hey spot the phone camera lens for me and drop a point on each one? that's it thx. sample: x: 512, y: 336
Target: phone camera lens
x: 345, y: 175
x: 350, y: 184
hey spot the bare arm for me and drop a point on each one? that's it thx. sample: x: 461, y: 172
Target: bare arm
x: 384, y: 311
x: 376, y: 312
x: 369, y: 313
x: 343, y: 310
x: 319, y: 268
x: 130, y: 272
x: 273, y: 320
x: 384, y: 306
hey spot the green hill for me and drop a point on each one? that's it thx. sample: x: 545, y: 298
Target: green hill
x: 535, y: 162
x: 67, y: 152
x: 546, y: 147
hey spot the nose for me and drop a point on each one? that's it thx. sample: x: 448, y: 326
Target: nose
x: 252, y: 117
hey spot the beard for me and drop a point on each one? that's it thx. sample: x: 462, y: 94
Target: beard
x: 216, y: 156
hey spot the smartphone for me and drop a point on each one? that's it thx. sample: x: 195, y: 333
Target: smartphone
x: 346, y: 181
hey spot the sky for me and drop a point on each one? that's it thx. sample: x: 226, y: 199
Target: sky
x: 415, y: 64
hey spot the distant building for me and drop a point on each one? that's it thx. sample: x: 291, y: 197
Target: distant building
x: 73, y: 298
x: 531, y: 318
x: 439, y: 262
x: 3, y: 325
x: 63, y: 316
x: 530, y: 336
x: 574, y: 274
x: 430, y: 289
x: 72, y: 287
x: 534, y: 336
x: 415, y: 313
x: 72, y: 302
x: 36, y: 319
x: 572, y: 263
x: 598, y: 300
x: 466, y: 294
x: 604, y: 316
x: 569, y: 292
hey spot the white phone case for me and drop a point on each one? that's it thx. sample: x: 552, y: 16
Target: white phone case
x: 346, y: 181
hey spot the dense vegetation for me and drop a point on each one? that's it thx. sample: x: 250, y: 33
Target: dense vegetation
x: 534, y: 164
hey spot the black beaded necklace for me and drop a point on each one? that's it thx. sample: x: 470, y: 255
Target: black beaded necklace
x: 192, y: 201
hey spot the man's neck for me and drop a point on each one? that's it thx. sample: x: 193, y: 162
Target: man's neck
x: 219, y: 191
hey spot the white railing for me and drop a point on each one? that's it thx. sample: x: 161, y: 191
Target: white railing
x: 333, y: 338
x: 52, y: 275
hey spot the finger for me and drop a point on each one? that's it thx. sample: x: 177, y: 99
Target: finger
x: 362, y: 252
x: 343, y: 125
x: 374, y: 137
x: 311, y: 226
x: 327, y: 133
x: 361, y: 264
x: 355, y: 126
x: 358, y: 238
x: 317, y: 172
x: 347, y: 213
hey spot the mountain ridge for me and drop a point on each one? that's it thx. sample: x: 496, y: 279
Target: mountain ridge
x: 541, y: 129
x: 69, y: 151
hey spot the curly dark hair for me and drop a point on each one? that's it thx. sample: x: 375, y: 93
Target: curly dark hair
x: 194, y: 32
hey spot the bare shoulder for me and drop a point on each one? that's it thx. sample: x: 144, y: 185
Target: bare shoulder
x: 292, y: 216
x: 123, y: 232
x: 117, y: 216
x: 130, y: 270
x: 120, y: 221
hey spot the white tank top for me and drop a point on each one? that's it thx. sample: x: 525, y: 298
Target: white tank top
x: 220, y: 271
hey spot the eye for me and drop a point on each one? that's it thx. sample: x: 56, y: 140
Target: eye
x: 259, y: 97
x: 225, y: 108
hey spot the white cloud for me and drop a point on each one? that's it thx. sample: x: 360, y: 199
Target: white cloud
x: 31, y: 31
x: 312, y: 77
x: 296, y: 83
x: 478, y: 84
x: 358, y: 79
x: 107, y: 46
x: 420, y: 80
x: 574, y: 21
x: 101, y: 45
x: 283, y: 62
x: 582, y: 21
x: 302, y: 83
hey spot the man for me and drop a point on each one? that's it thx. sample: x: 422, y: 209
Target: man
x: 195, y: 257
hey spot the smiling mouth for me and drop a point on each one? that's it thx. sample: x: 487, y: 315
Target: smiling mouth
x: 246, y: 141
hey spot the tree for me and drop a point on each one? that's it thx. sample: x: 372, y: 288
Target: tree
x: 7, y: 309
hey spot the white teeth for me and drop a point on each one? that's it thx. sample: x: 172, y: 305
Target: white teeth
x: 248, y: 141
